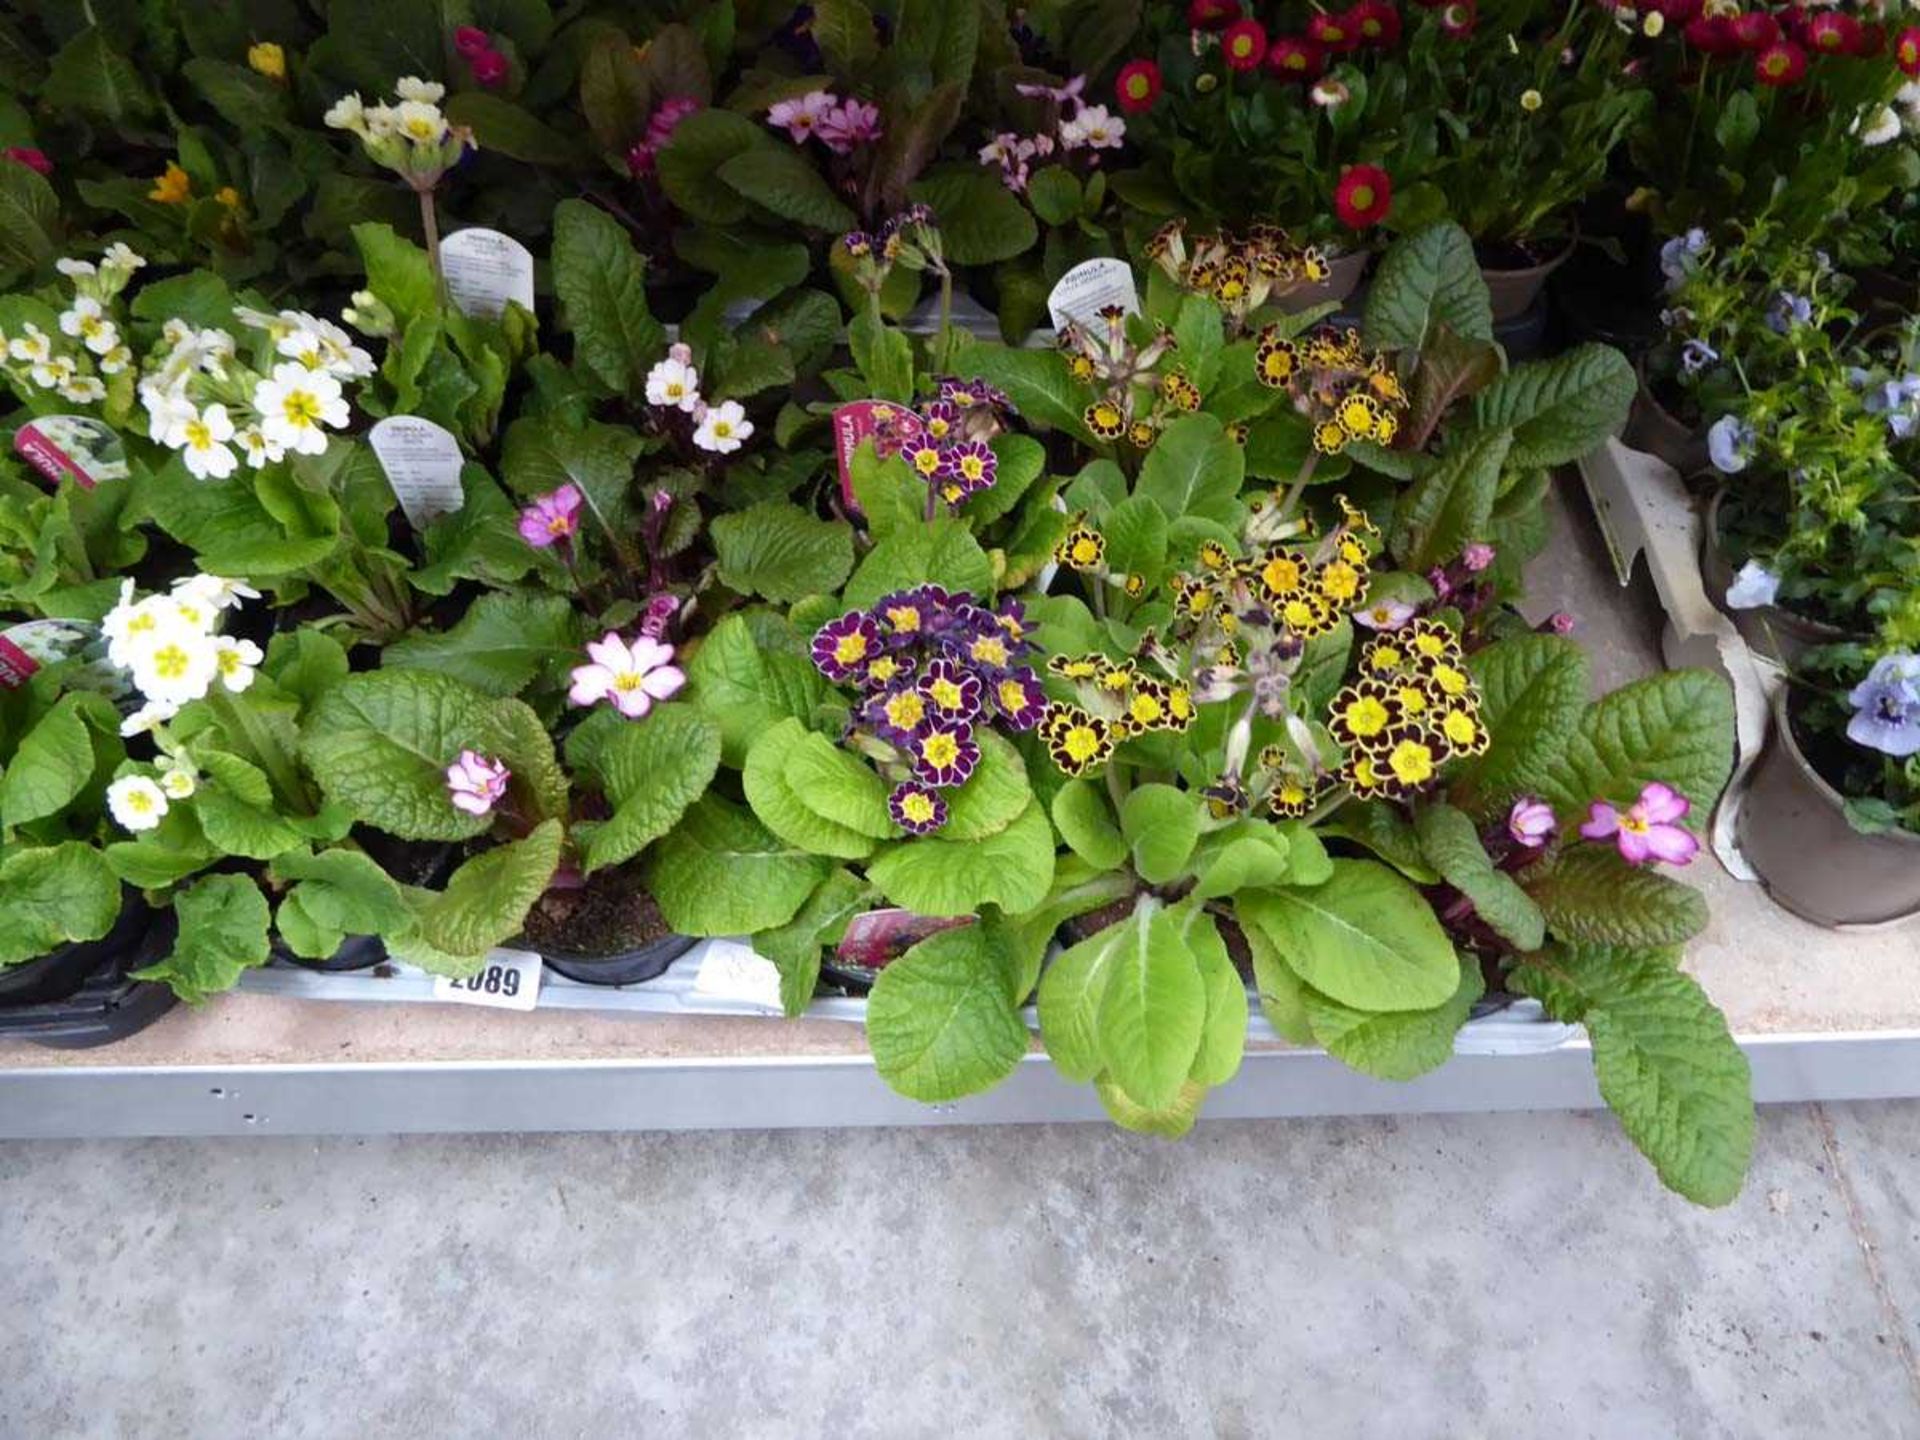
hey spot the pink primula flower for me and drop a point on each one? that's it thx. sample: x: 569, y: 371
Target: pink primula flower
x: 855, y: 122
x: 1646, y: 830
x: 630, y: 677
x: 804, y: 117
x: 475, y: 782
x: 551, y: 518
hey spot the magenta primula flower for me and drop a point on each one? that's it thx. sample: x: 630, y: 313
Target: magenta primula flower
x: 1531, y: 822
x: 475, y: 782
x: 803, y: 117
x: 855, y: 122
x: 630, y: 677
x: 552, y: 517
x: 1645, y: 831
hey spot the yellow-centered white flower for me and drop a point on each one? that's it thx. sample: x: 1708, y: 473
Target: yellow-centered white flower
x: 296, y: 406
x: 136, y: 802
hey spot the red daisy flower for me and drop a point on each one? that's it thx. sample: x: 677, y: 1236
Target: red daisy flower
x: 1244, y: 43
x: 1212, y: 14
x: 1906, y: 51
x: 1137, y: 86
x: 1334, y: 32
x: 1713, y: 35
x: 1782, y: 63
x: 1376, y: 22
x: 1363, y: 196
x: 1458, y: 19
x: 1832, y: 33
x: 1755, y: 30
x: 1292, y: 58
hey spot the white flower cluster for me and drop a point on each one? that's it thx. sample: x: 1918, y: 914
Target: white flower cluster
x: 411, y: 137
x: 140, y: 802
x: 674, y: 384
x: 90, y: 344
x: 202, y: 401
x: 171, y: 647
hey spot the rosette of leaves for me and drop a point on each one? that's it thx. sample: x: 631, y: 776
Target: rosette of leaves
x: 62, y: 550
x: 1595, y: 940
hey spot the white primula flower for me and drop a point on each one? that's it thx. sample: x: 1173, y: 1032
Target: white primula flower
x: 420, y: 122
x: 322, y: 345
x: 167, y: 406
x: 84, y: 390
x: 88, y: 322
x: 53, y: 373
x: 154, y: 712
x: 347, y: 113
x: 675, y: 384
x: 31, y: 347
x: 412, y: 87
x: 260, y: 451
x: 116, y: 360
x: 74, y: 269
x: 180, y: 666
x: 121, y: 256
x: 177, y: 783
x: 203, y: 442
x: 1878, y: 126
x: 276, y: 326
x: 1755, y: 586
x: 237, y: 659
x: 214, y: 590
x: 136, y: 802
x: 723, y: 429
x: 296, y: 405
x: 1095, y: 128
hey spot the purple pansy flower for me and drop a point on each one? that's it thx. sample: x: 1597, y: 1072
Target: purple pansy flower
x: 475, y: 782
x: 952, y: 690
x: 1787, y: 311
x: 1730, y: 442
x: 1645, y: 831
x: 1020, y: 698
x: 1531, y: 822
x: 842, y: 648
x: 945, y: 754
x: 1697, y: 355
x: 552, y: 518
x: 1887, y: 707
x: 916, y: 809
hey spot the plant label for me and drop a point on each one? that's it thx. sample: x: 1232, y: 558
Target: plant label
x: 1090, y: 287
x: 879, y: 937
x: 484, y: 270
x: 730, y: 971
x: 59, y: 446
x: 509, y: 980
x: 27, y: 647
x: 422, y: 461
x: 859, y: 420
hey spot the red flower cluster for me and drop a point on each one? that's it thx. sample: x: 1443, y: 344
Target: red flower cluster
x: 1782, y: 41
x: 1367, y: 24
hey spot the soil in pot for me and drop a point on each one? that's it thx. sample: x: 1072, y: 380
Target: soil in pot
x: 1771, y: 631
x: 608, y: 931
x: 59, y: 973
x: 1516, y: 272
x: 1793, y: 830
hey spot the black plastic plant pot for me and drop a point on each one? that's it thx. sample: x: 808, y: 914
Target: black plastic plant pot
x: 853, y: 978
x: 61, y: 972
x: 356, y: 952
x: 108, y: 1005
x: 625, y: 967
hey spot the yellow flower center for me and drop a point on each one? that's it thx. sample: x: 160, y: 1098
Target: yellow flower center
x: 626, y: 681
x: 1146, y: 708
x: 946, y: 694
x: 170, y: 662
x: 1459, y: 727
x: 1086, y: 551
x: 301, y: 407
x: 1362, y: 197
x: 1081, y: 743
x: 850, y: 648
x: 1412, y: 762
x: 1366, y: 716
x: 1013, y: 695
x: 1452, y: 681
x: 905, y: 712
x: 905, y: 619
x: 884, y: 669
x: 1282, y: 573
x: 1340, y: 580
x: 940, y: 750
x: 989, y: 650
x: 918, y: 808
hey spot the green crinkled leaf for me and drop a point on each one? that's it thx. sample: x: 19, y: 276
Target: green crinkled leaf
x: 1533, y: 692
x: 398, y: 271
x: 941, y: 552
x: 252, y: 526
x: 1589, y: 893
x: 1664, y: 1058
x: 235, y: 827
x: 1085, y: 821
x: 1399, y: 1045
x: 1366, y: 937
x: 336, y: 893
x: 304, y: 663
x: 1020, y: 460
x: 1282, y: 994
x: 1451, y: 505
x: 1194, y: 469
x: 51, y: 764
x: 1036, y: 381
x: 88, y: 74
x: 1223, y: 1035
x: 653, y: 770
x: 941, y: 1019
x: 600, y: 280
x: 1449, y: 840
x: 795, y: 947
x: 994, y: 796
x: 934, y: 876
x: 1161, y: 824
x: 784, y: 181
x: 505, y: 641
x: 721, y: 872
x: 776, y: 802
x: 29, y: 221
x: 745, y: 688
x: 504, y: 128
x: 1248, y: 855
x: 1136, y: 532
x: 1381, y: 828
x: 884, y: 355
x: 375, y: 41
x: 1675, y: 728
x: 52, y: 896
x: 778, y: 550
x: 223, y: 931
x: 486, y: 900
x: 1426, y: 279
x: 981, y: 221
x: 544, y: 452
x: 838, y: 786
x: 1069, y: 996
x: 1152, y: 1010
x: 1560, y: 409
x: 689, y: 164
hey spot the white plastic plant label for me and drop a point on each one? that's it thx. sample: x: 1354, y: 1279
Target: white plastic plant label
x: 484, y: 270
x: 422, y: 461
x: 75, y: 447
x: 510, y: 980
x: 730, y: 971
x: 1090, y: 287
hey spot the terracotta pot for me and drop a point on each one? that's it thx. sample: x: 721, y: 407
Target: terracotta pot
x: 1771, y: 631
x: 1654, y: 430
x: 1793, y: 830
x: 1513, y: 291
x: 1342, y: 281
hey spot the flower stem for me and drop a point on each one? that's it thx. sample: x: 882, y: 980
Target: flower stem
x: 1299, y: 485
x: 430, y: 227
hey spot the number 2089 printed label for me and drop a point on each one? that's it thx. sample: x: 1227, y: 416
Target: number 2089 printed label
x: 509, y: 980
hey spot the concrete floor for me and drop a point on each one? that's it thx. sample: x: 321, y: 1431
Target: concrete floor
x: 1482, y: 1276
